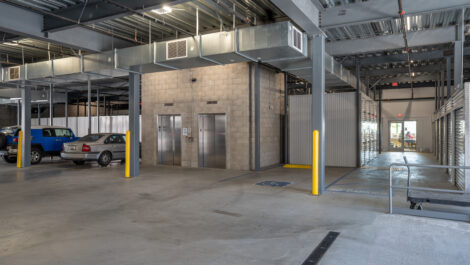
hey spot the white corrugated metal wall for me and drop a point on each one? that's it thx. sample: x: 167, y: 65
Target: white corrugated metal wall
x: 452, y: 145
x: 340, y: 129
x: 79, y: 125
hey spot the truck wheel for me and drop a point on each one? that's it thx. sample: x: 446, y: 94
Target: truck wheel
x: 9, y: 159
x: 36, y: 156
x: 79, y: 162
x: 104, y: 159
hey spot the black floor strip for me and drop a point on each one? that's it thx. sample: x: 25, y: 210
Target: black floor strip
x: 340, y: 178
x: 321, y: 249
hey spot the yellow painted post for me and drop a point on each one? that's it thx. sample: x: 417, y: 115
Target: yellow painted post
x: 128, y: 154
x: 315, y: 156
x: 18, y: 149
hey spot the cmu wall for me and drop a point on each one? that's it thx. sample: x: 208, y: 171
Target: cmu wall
x: 229, y: 85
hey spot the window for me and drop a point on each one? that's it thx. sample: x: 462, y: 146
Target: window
x: 48, y: 133
x: 63, y: 133
x: 91, y: 138
x: 114, y: 139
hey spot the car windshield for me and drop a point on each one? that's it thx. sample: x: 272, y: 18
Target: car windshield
x: 8, y: 130
x: 91, y: 138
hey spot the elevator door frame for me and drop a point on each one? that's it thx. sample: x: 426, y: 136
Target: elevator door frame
x: 175, y: 131
x: 217, y: 158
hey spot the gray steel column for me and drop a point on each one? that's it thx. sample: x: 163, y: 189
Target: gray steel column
x: 18, y: 112
x: 449, y: 75
x: 436, y: 97
x: 104, y: 106
x: 358, y: 113
x: 458, y: 52
x: 380, y: 121
x: 39, y: 114
x: 26, y: 125
x: 51, y: 105
x: 257, y: 117
x: 89, y: 105
x: 98, y: 108
x: 286, y: 121
x: 66, y: 108
x: 134, y: 123
x: 318, y: 101
x: 443, y: 98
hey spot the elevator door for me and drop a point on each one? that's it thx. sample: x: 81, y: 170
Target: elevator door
x: 212, y: 151
x: 169, y: 139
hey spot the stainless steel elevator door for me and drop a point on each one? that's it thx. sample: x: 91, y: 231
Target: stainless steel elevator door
x: 212, y: 150
x: 169, y: 139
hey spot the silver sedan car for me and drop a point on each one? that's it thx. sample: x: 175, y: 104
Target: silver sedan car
x: 101, y: 147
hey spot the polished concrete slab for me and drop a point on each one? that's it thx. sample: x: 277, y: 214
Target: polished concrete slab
x: 59, y: 213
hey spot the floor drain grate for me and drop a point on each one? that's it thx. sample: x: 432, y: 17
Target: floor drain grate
x: 273, y: 183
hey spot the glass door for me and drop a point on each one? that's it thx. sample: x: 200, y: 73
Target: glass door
x: 396, y: 136
x: 410, y: 136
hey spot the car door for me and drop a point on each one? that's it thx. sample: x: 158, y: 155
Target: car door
x: 121, y: 147
x: 48, y: 140
x: 111, y: 145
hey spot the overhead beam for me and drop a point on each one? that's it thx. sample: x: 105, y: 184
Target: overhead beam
x: 406, y: 79
x: 379, y: 10
x: 402, y: 57
x: 97, y: 10
x: 19, y: 21
x: 404, y: 70
x: 303, y: 13
x: 391, y: 42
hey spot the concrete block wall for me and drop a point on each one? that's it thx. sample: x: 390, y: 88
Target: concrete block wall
x: 271, y: 109
x: 229, y: 85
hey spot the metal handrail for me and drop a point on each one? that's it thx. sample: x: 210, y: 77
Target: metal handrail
x: 408, y: 187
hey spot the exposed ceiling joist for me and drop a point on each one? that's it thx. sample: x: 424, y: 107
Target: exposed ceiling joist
x: 97, y: 11
x: 379, y: 10
x: 19, y: 21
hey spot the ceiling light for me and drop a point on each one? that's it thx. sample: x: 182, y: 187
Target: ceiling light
x: 11, y: 43
x: 163, y: 10
x: 15, y: 98
x: 412, y: 74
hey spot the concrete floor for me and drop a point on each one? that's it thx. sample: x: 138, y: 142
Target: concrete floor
x: 58, y: 213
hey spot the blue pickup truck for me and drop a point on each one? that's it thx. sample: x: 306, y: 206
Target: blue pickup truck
x: 45, y: 141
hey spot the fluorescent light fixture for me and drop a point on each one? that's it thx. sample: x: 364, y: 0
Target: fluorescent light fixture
x: 163, y: 10
x: 11, y: 43
x: 15, y: 98
x: 40, y: 100
x: 412, y: 74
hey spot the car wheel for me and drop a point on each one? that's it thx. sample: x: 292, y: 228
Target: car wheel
x: 9, y: 159
x: 79, y: 162
x: 104, y: 159
x: 36, y: 156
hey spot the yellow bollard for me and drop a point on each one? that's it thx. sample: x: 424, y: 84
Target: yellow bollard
x: 18, y: 149
x: 128, y: 154
x: 315, y: 164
